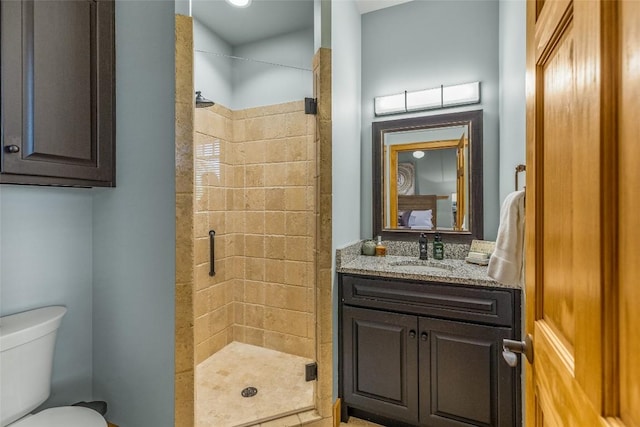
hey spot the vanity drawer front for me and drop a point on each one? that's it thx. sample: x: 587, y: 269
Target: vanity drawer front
x: 488, y: 306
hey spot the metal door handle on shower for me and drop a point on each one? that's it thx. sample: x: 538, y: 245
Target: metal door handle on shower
x: 212, y: 252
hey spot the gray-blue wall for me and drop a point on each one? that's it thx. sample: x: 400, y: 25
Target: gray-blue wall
x: 45, y: 244
x: 134, y: 227
x: 513, y: 25
x: 423, y: 44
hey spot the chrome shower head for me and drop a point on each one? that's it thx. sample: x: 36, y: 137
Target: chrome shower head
x: 201, y: 101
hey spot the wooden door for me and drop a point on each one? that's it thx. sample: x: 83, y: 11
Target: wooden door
x: 582, y: 293
x: 380, y: 354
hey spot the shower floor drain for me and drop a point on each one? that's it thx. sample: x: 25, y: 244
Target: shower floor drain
x: 249, y: 392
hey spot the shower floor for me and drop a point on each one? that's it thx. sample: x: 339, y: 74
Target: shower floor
x: 279, y: 378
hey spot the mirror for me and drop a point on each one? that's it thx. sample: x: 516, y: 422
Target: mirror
x: 427, y: 177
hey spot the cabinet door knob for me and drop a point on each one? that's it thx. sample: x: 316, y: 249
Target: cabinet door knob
x: 424, y: 336
x: 412, y: 334
x: 12, y: 149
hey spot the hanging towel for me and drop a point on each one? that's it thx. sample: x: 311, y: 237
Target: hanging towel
x: 505, y: 264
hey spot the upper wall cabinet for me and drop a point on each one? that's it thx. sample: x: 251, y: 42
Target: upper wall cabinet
x: 58, y: 92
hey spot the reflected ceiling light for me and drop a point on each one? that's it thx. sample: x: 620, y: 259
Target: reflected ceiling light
x: 239, y: 3
x: 418, y: 154
x: 428, y: 99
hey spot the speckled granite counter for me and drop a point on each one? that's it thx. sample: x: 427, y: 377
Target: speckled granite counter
x: 449, y: 270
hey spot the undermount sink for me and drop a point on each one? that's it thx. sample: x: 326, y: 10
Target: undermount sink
x: 424, y: 265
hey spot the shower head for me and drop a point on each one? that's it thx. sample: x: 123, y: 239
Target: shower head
x: 202, y: 102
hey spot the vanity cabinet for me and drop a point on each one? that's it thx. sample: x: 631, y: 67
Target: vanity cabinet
x: 58, y: 92
x: 427, y: 354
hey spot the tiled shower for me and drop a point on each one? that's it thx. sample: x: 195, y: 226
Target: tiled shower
x: 252, y: 176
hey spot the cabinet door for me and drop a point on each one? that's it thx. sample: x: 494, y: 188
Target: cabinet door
x: 380, y: 353
x: 463, y: 377
x: 58, y: 91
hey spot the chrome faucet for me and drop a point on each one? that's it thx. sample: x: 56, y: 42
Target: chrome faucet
x: 422, y: 245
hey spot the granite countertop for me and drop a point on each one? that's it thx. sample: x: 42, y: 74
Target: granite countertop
x: 449, y: 270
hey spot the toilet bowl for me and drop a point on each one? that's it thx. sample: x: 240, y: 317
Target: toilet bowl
x: 64, y: 416
x: 27, y: 342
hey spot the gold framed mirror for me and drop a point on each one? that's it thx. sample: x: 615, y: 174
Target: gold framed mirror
x: 427, y: 176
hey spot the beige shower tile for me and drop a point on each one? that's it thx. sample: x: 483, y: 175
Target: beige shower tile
x: 274, y: 222
x: 201, y: 304
x: 217, y: 199
x: 254, y: 315
x: 275, y: 151
x: 254, y: 245
x: 295, y: 198
x: 295, y: 124
x: 296, y: 173
x: 255, y: 222
x: 254, y: 176
x: 202, y: 330
x: 254, y: 152
x: 215, y: 221
x: 238, y: 333
x: 274, y: 127
x: 218, y: 320
x: 184, y: 351
x: 285, y: 321
x: 274, y: 270
x: 217, y: 295
x: 298, y: 248
x: 274, y: 199
x: 254, y: 292
x: 275, y: 247
x: 238, y: 129
x: 239, y: 264
x: 287, y: 297
x: 238, y: 199
x: 291, y: 344
x: 254, y: 199
x: 289, y: 421
x: 254, y: 129
x: 254, y: 269
x: 296, y: 223
x: 296, y: 273
x: 238, y: 313
x: 296, y: 149
x: 275, y: 174
x: 254, y: 336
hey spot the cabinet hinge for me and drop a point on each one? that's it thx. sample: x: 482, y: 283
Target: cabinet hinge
x: 311, y: 106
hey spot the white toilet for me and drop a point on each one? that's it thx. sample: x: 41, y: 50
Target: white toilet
x: 27, y: 341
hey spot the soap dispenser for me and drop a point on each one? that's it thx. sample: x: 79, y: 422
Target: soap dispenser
x: 438, y: 247
x: 381, y: 250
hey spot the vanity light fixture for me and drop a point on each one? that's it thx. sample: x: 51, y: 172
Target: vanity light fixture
x: 418, y: 154
x: 239, y: 3
x: 428, y: 99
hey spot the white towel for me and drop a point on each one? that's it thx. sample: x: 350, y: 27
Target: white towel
x: 506, y: 263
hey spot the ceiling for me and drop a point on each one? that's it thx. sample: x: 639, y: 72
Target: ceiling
x: 265, y: 18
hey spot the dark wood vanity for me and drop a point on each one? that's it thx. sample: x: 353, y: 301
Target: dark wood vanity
x: 421, y: 353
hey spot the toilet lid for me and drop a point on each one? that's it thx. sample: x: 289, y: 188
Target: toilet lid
x: 64, y: 416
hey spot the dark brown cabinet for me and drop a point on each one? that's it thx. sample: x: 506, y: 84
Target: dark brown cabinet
x: 58, y: 92
x: 427, y: 354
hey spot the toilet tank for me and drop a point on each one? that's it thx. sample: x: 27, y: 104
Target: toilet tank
x: 27, y: 341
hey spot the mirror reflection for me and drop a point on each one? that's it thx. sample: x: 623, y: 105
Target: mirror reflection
x: 428, y: 175
x: 429, y: 169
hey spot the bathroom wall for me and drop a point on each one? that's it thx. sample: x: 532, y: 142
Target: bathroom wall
x: 420, y: 44
x: 346, y: 96
x: 45, y: 246
x: 512, y: 48
x: 134, y: 227
x: 213, y: 73
x: 257, y: 84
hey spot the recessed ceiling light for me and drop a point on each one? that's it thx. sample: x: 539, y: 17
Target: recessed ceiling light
x: 239, y: 3
x: 418, y: 154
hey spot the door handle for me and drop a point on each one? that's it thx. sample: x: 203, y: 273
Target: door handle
x: 511, y: 347
x: 12, y: 149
